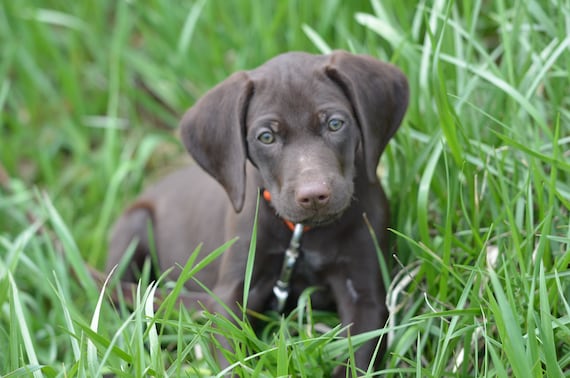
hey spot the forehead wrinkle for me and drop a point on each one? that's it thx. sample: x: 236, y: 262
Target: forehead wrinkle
x: 293, y: 96
x: 272, y: 97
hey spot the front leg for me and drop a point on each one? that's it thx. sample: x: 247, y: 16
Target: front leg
x: 360, y: 299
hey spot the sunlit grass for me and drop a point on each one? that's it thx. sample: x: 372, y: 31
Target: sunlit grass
x: 478, y: 177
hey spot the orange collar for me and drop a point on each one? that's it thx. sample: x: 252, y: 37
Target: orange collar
x: 290, y: 225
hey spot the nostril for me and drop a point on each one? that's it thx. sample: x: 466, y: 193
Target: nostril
x: 313, y: 195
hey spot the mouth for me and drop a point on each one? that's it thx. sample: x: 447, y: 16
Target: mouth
x: 315, y: 220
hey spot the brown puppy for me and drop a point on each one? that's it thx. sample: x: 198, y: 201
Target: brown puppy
x: 308, y: 129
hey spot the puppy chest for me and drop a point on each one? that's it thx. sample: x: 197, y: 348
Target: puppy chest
x: 310, y: 272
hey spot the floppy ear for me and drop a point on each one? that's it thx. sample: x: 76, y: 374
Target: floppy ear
x: 213, y: 132
x: 379, y: 95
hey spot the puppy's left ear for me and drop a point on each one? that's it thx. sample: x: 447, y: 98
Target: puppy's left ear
x: 379, y: 94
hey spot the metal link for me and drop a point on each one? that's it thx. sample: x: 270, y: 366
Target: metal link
x: 281, y: 288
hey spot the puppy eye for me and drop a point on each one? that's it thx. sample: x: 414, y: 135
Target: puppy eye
x: 266, y: 137
x: 335, y: 124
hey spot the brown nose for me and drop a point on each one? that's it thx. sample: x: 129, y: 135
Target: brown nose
x: 313, y: 195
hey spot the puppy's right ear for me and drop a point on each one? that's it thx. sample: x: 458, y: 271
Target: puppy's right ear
x: 213, y: 131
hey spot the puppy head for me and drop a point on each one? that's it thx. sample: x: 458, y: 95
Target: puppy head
x: 307, y: 122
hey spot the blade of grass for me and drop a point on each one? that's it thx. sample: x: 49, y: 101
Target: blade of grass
x: 282, y: 368
x: 92, y: 359
x: 509, y: 329
x: 316, y: 39
x: 188, y: 28
x: 19, y: 319
x: 68, y: 320
x: 72, y: 253
x: 449, y: 121
x: 156, y: 358
x: 424, y: 190
x: 545, y: 330
x: 250, y: 260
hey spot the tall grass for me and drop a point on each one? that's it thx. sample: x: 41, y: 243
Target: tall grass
x: 478, y: 177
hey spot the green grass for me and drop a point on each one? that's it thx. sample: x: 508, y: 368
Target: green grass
x: 478, y: 176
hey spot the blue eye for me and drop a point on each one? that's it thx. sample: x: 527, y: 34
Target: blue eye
x: 335, y: 124
x: 266, y: 137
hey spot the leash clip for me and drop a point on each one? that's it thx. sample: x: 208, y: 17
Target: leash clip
x: 281, y: 288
